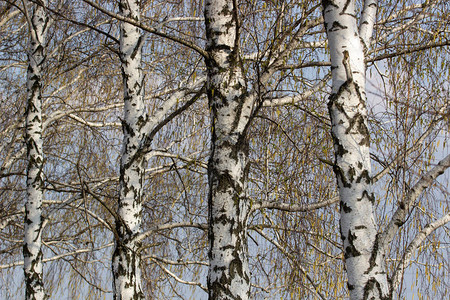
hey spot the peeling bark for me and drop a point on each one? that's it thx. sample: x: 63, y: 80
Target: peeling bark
x: 228, y: 206
x: 365, y: 265
x: 126, y: 257
x: 32, y: 251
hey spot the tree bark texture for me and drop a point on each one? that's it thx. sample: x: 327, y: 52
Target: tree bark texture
x: 32, y: 251
x: 228, y: 206
x: 126, y: 257
x: 367, y: 278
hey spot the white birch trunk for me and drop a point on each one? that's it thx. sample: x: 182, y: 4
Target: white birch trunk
x: 32, y: 251
x: 228, y: 206
x: 126, y: 257
x: 367, y: 278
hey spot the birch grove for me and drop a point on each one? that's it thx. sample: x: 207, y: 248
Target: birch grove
x: 224, y: 149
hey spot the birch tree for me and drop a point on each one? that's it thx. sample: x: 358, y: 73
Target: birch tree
x: 126, y: 257
x: 233, y: 106
x: 32, y: 252
x: 364, y: 248
x: 228, y: 206
x: 49, y: 113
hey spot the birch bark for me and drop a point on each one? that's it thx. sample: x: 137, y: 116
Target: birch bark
x: 367, y: 278
x: 32, y: 251
x: 126, y: 257
x: 228, y: 206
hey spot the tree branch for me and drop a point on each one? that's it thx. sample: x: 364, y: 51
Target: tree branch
x: 293, y: 207
x: 289, y: 255
x: 368, y: 17
x: 174, y: 276
x: 167, y: 226
x: 397, y: 277
x: 398, y: 219
x: 56, y: 257
x: 431, y: 128
x: 153, y: 30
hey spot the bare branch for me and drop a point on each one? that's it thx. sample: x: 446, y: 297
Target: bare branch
x: 157, y: 228
x: 174, y: 276
x: 315, y: 290
x: 56, y: 257
x: 154, y: 30
x: 398, y: 219
x: 294, y: 207
x: 397, y: 277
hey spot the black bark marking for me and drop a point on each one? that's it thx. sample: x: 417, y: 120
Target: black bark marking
x: 337, y: 26
x: 347, y: 3
x: 340, y: 176
x: 373, y: 286
x: 347, y: 209
x: 326, y: 3
x: 374, y: 254
x: 364, y: 176
x: 350, y: 250
x: 351, y: 174
x: 365, y: 194
x: 137, y: 47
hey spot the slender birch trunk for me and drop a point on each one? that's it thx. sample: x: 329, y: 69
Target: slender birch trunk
x: 126, y: 257
x: 367, y: 278
x: 32, y: 251
x: 228, y: 206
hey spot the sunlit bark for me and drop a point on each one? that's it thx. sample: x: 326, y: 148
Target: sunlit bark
x: 126, y: 257
x: 367, y: 278
x: 32, y: 251
x: 228, y: 207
